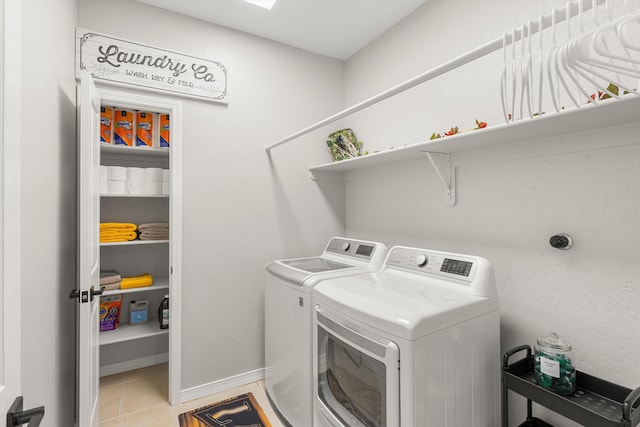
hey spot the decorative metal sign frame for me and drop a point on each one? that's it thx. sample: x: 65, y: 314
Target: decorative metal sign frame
x: 121, y: 62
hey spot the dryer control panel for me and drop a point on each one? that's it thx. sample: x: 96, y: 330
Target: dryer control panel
x: 354, y: 248
x: 453, y: 266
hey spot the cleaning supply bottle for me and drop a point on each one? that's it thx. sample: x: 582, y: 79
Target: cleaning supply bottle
x: 163, y: 313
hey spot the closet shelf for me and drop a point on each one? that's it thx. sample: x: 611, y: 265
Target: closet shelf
x: 137, y: 196
x: 126, y: 332
x: 158, y: 284
x: 134, y: 151
x: 134, y: 243
x: 608, y: 113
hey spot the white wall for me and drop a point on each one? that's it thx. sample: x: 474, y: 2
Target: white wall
x: 48, y: 188
x: 509, y: 201
x: 241, y: 210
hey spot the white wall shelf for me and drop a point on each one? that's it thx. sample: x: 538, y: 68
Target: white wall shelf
x: 158, y: 284
x: 608, y: 113
x: 134, y: 243
x: 126, y: 332
x: 137, y: 195
x: 134, y: 151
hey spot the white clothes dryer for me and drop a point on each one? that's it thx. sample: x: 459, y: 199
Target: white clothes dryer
x: 416, y: 343
x: 288, y: 320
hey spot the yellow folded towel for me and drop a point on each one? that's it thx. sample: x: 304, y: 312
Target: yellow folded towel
x: 120, y: 226
x: 117, y: 236
x: 136, y: 281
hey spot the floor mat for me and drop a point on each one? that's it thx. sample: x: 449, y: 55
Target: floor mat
x: 241, y: 411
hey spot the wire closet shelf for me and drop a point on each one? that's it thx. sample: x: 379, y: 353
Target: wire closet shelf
x: 582, y: 54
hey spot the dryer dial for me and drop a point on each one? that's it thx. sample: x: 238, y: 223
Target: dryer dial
x: 345, y: 246
x: 421, y: 260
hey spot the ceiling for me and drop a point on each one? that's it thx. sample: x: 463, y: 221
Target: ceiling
x: 334, y: 28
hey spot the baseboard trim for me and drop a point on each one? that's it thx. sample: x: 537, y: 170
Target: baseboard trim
x: 221, y: 385
x: 130, y: 365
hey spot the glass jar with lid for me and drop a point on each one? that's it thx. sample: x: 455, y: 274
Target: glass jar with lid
x: 554, y: 364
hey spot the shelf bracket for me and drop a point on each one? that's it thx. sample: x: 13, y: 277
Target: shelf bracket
x: 448, y: 178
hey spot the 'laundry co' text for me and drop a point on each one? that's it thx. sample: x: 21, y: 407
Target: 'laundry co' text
x: 115, y: 57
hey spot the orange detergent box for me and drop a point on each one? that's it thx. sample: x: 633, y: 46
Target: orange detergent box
x: 106, y: 125
x: 123, y: 127
x: 165, y: 131
x: 110, y: 312
x: 144, y: 129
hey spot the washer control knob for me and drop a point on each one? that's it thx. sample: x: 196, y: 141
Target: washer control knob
x: 346, y: 246
x: 421, y: 260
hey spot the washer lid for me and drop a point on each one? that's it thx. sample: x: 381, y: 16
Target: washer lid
x: 315, y: 265
x: 341, y: 257
x: 400, y: 303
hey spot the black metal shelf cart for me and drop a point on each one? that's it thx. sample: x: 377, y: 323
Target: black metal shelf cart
x: 595, y: 403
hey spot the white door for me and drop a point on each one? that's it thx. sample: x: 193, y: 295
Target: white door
x: 10, y: 201
x: 88, y: 253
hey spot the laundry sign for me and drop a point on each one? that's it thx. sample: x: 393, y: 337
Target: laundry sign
x: 116, y: 61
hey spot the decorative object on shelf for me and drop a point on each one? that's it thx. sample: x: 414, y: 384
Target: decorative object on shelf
x: 117, y: 232
x: 455, y: 130
x: 554, y: 364
x: 343, y: 144
x: 110, y: 312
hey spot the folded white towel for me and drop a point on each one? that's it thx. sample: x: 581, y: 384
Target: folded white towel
x: 154, y: 225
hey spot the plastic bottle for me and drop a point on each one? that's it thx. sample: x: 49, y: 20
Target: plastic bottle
x: 163, y: 313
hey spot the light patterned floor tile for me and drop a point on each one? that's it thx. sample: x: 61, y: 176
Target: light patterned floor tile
x: 110, y: 401
x: 139, y: 398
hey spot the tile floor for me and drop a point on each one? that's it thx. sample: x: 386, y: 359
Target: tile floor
x: 140, y: 399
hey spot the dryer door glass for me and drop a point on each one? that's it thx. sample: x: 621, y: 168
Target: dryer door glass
x: 354, y: 375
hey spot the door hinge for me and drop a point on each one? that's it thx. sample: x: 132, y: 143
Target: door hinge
x: 17, y: 417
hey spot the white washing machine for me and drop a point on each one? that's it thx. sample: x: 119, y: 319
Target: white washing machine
x: 288, y: 319
x: 416, y: 343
